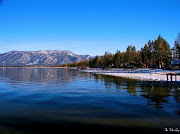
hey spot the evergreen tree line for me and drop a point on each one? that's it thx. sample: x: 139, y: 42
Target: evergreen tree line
x: 154, y: 54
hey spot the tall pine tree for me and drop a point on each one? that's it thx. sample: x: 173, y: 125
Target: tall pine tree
x: 177, y: 47
x: 162, y: 52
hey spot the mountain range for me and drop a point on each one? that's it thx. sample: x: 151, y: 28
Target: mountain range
x: 40, y: 58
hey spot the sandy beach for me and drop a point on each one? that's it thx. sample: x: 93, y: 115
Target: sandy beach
x: 138, y: 74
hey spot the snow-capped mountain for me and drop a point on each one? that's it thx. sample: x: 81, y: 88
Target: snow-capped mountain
x: 44, y: 58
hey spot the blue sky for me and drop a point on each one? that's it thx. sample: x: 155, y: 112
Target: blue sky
x: 86, y: 26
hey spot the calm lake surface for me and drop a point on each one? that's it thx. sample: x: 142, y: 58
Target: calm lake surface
x: 39, y: 100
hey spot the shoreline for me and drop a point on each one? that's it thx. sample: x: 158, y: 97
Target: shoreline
x: 139, y: 74
x: 142, y: 74
x: 39, y: 67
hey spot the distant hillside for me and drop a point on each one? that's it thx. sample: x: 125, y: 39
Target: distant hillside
x: 40, y: 58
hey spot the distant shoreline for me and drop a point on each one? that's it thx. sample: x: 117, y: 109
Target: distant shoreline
x: 142, y: 74
x: 34, y: 67
x: 37, y: 67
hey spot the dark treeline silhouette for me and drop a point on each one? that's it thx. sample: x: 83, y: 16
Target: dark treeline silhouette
x: 154, y: 54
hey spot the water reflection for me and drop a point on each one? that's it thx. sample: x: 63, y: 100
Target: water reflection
x: 39, y: 75
x: 157, y: 93
x: 32, y: 97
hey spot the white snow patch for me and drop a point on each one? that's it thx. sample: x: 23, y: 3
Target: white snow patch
x: 140, y: 74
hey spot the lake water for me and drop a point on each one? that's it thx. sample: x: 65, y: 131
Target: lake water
x: 39, y: 100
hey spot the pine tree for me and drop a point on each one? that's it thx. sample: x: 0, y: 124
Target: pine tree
x: 145, y: 55
x: 134, y: 54
x: 128, y: 55
x: 131, y: 55
x: 151, y: 50
x: 117, y: 59
x: 90, y: 63
x: 177, y: 47
x: 96, y: 61
x: 108, y: 59
x: 101, y: 62
x: 162, y: 52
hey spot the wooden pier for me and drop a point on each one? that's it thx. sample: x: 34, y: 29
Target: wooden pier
x: 172, y: 74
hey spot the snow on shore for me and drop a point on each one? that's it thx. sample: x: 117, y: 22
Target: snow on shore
x: 138, y: 74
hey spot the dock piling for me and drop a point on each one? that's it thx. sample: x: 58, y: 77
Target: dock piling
x: 171, y: 74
